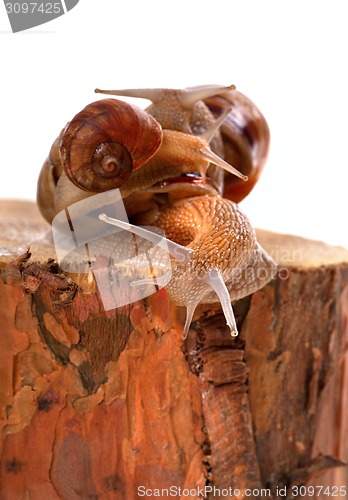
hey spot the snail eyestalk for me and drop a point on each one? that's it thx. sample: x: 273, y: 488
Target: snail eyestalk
x: 210, y: 247
x: 179, y: 252
x: 212, y: 129
x: 190, y: 309
x: 215, y: 280
x: 191, y: 95
x: 213, y: 158
x: 187, y: 97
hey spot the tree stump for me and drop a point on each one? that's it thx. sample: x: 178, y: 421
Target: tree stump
x: 115, y: 405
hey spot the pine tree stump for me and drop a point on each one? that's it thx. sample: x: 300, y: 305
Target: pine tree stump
x: 106, y: 405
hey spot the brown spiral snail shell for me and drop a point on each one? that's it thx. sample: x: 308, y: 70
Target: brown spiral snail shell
x: 97, y: 151
x: 246, y: 137
x: 167, y: 162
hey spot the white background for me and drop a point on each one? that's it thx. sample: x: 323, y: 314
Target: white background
x: 289, y: 57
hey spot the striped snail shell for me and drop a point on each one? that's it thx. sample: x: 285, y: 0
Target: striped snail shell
x: 51, y: 171
x: 246, y: 137
x: 96, y: 151
x: 106, y: 141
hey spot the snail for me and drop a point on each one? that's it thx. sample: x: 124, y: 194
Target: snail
x: 223, y: 258
x: 245, y: 133
x: 167, y: 161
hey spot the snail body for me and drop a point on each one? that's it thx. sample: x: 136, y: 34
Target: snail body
x: 213, y: 248
x: 167, y: 161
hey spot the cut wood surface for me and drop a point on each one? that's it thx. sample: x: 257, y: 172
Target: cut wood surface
x: 99, y: 405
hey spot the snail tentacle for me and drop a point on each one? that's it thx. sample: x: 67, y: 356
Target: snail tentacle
x: 216, y: 160
x: 179, y: 252
x: 220, y: 247
x: 178, y: 154
x: 191, y: 95
x: 190, y: 310
x: 215, y: 280
x: 242, y: 142
x: 179, y: 109
x: 187, y: 97
x: 214, y: 127
x: 172, y: 163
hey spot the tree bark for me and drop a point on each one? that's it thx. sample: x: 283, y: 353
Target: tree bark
x: 102, y: 405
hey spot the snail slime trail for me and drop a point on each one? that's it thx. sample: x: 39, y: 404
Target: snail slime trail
x: 181, y: 165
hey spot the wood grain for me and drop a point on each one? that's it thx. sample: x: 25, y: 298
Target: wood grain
x: 94, y: 404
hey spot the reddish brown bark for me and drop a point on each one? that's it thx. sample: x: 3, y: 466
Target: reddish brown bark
x: 95, y: 404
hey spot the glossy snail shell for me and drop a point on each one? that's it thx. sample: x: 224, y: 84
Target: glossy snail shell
x: 51, y: 171
x: 246, y: 137
x: 97, y: 150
